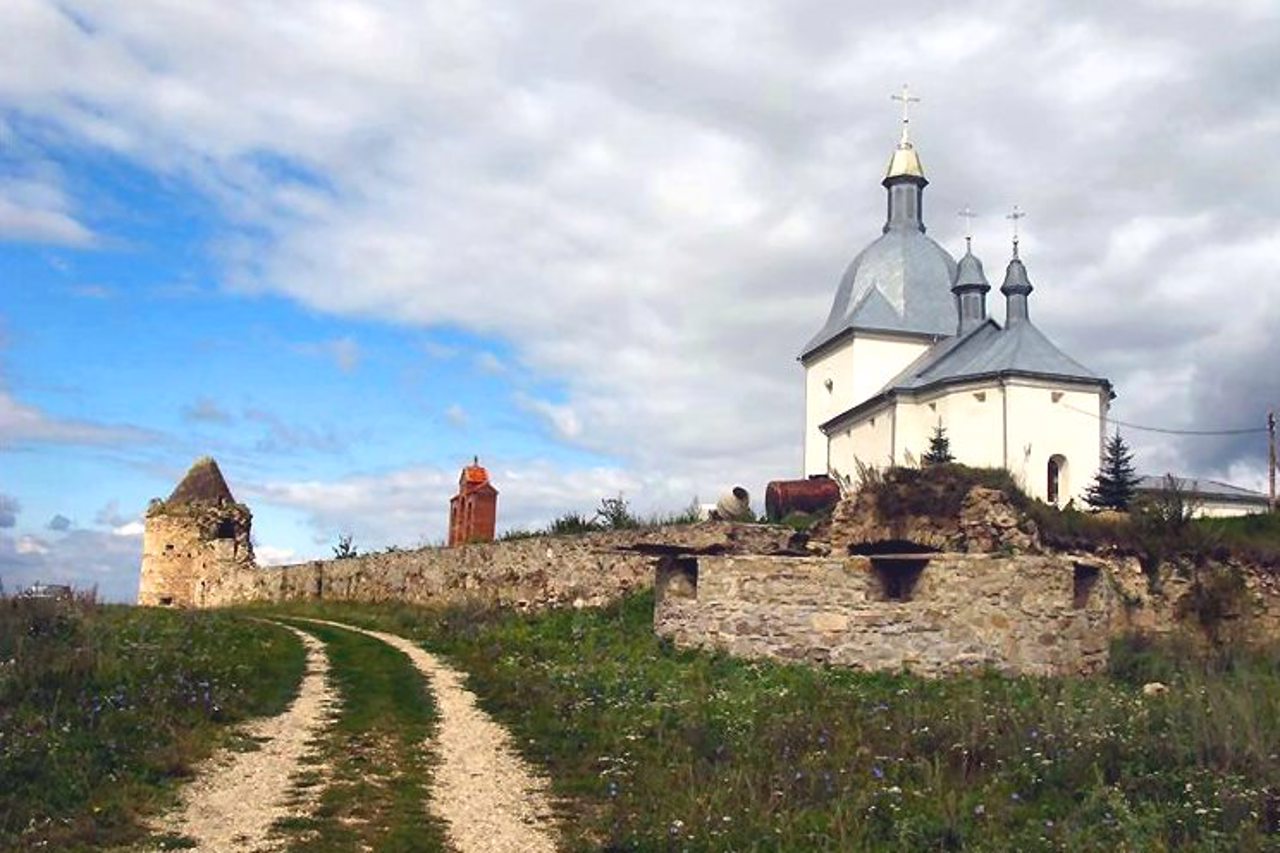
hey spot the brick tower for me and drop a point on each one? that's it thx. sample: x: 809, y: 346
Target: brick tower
x: 191, y: 538
x: 473, y: 511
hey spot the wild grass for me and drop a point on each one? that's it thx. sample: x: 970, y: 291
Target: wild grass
x: 103, y: 708
x: 652, y: 748
x: 376, y: 791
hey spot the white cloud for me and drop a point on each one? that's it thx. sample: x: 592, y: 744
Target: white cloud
x: 269, y: 555
x: 31, y: 545
x: 133, y: 528
x: 22, y: 424
x: 456, y: 415
x: 652, y: 206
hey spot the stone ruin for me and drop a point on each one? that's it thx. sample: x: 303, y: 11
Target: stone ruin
x: 192, y: 538
x: 945, y: 583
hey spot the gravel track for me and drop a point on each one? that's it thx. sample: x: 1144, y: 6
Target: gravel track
x: 237, y: 796
x: 490, y: 800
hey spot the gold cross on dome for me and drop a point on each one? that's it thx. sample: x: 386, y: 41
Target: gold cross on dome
x: 907, y: 100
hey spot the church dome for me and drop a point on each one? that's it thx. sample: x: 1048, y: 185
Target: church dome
x: 899, y: 283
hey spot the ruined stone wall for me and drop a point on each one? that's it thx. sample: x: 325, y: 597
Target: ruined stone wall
x: 1033, y: 614
x: 587, y: 570
x: 1051, y: 614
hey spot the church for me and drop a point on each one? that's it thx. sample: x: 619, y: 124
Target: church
x: 909, y: 345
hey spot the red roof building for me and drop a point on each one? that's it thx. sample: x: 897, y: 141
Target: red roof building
x: 473, y: 511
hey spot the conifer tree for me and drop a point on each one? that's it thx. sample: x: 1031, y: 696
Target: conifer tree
x: 939, y: 448
x: 1114, y: 486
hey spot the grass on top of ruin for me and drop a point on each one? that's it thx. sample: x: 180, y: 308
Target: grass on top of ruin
x: 103, y: 708
x: 653, y: 748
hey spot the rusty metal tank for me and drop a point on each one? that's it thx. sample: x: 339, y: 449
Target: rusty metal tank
x: 814, y: 495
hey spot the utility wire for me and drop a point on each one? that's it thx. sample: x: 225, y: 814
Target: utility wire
x: 1165, y: 431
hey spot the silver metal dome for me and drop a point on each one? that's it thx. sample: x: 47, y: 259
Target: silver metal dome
x: 899, y: 283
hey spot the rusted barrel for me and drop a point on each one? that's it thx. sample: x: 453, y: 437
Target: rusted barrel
x: 814, y: 495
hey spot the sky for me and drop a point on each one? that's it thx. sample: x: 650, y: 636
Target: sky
x: 343, y: 245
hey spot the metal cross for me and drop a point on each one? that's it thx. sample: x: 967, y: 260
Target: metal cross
x: 907, y: 100
x: 969, y: 216
x: 1014, y: 217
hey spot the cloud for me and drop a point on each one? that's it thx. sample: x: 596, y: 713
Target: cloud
x: 109, y: 515
x: 456, y: 415
x: 206, y: 410
x: 21, y: 424
x: 344, y: 352
x: 409, y: 506
x: 283, y: 437
x: 652, y: 207
x: 83, y: 558
x: 9, y: 509
x: 487, y: 362
x: 269, y: 555
x: 32, y: 211
x: 60, y: 524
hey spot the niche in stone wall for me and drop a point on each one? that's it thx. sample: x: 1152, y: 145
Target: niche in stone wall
x: 898, y: 576
x: 226, y: 529
x: 677, y: 578
x: 1084, y: 578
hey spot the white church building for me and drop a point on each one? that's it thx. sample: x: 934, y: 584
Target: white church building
x: 909, y: 345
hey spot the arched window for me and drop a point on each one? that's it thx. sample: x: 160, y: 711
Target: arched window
x: 1057, y: 478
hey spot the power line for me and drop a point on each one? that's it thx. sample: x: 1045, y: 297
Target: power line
x: 1164, y: 431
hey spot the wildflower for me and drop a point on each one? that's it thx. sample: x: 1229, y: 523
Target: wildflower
x: 979, y: 810
x: 877, y: 772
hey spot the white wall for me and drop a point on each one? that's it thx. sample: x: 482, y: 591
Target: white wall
x: 1046, y: 419
x: 972, y: 417
x: 857, y: 369
x: 869, y: 441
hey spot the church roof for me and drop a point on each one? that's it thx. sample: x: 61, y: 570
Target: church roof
x: 989, y: 350
x: 899, y: 283
x: 1204, y: 489
x: 204, y: 483
x: 986, y: 352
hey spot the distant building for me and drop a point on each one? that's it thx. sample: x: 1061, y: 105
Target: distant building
x: 473, y: 511
x: 48, y: 590
x: 1208, y: 498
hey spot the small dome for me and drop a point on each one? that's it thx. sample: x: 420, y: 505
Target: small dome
x: 969, y: 273
x: 904, y: 162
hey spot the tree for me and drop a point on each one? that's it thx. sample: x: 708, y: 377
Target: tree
x: 939, y: 448
x: 345, y: 550
x: 1114, y: 486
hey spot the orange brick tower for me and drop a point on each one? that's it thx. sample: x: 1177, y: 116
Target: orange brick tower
x: 473, y: 511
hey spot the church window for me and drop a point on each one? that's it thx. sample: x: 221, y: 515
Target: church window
x: 933, y: 407
x: 1055, y: 395
x: 1056, y: 475
x: 980, y: 396
x: 829, y: 385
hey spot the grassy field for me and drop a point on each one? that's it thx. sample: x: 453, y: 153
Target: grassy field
x: 102, y: 708
x: 375, y: 794
x: 655, y: 749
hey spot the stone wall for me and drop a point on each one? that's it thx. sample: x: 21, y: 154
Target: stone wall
x: 587, y: 570
x: 954, y: 612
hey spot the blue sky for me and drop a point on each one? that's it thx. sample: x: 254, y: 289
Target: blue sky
x: 343, y: 246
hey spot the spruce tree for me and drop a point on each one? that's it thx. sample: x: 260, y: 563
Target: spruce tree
x: 1114, y: 486
x: 939, y: 448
